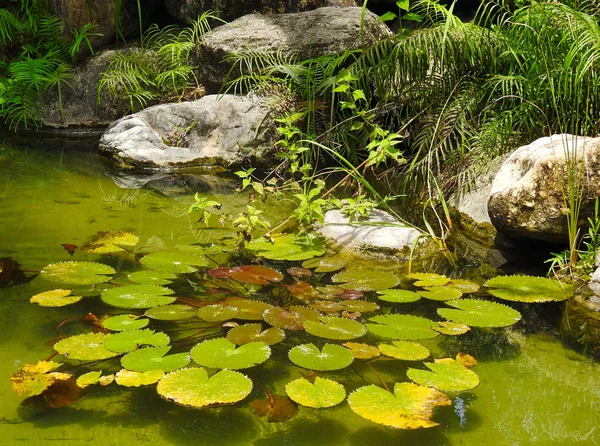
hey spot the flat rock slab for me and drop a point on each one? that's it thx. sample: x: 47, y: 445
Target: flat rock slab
x: 217, y: 130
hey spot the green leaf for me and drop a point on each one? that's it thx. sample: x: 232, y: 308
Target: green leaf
x: 331, y: 357
x: 387, y: 17
x: 34, y: 379
x: 403, y: 4
x: 244, y: 334
x: 320, y: 394
x: 124, y: 322
x: 528, y: 289
x: 446, y: 374
x: 409, y: 407
x: 174, y: 262
x: 85, y: 347
x: 359, y: 94
x: 192, y: 387
x: 88, y: 379
x: 398, y: 296
x: 106, y: 242
x: 402, y: 326
x: 439, y: 293
x: 153, y: 358
x: 127, y: 341
x: 428, y: 279
x: 412, y: 17
x: 55, y: 298
x: 221, y: 353
x: 173, y: 312
x: 451, y: 328
x: 217, y: 313
x: 248, y: 309
x: 405, y: 350
x: 137, y: 296
x: 366, y: 279
x: 325, y: 264
x: 480, y: 313
x: 77, y: 273
x: 129, y: 378
x: 287, y: 247
x: 148, y: 277
x: 332, y: 327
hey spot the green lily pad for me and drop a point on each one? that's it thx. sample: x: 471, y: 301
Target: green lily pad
x: 137, y: 296
x: 402, y: 326
x: 327, y: 264
x: 362, y: 351
x: 291, y: 319
x: 77, y: 273
x: 320, y: 394
x: 124, y: 322
x: 429, y: 279
x: 409, y: 407
x: 446, y: 374
x: 149, y: 277
x: 153, y: 358
x: 451, y: 328
x: 528, y: 289
x: 331, y: 357
x: 338, y: 328
x: 366, y: 279
x: 129, y: 378
x: 217, y: 313
x: 88, y: 379
x: 480, y: 313
x: 244, y: 334
x: 172, y: 312
x: 464, y: 286
x: 55, y: 298
x: 85, y: 347
x: 287, y: 247
x: 398, y: 296
x: 192, y: 387
x: 405, y: 350
x: 362, y: 306
x: 248, y: 309
x: 34, y: 379
x: 174, y: 262
x: 127, y: 341
x: 220, y: 353
x: 439, y: 293
x: 109, y: 242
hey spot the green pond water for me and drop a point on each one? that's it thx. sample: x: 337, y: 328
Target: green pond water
x: 533, y: 391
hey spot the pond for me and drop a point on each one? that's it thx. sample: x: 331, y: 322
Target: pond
x: 532, y: 391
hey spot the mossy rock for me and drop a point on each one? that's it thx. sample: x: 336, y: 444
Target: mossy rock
x: 581, y: 322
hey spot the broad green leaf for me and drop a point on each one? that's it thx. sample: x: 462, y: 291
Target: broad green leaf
x: 320, y: 394
x: 387, y: 17
x: 480, y: 313
x: 248, y: 309
x: 137, y: 296
x: 402, y: 326
x: 33, y: 379
x: 451, y: 328
x: 528, y: 289
x: 287, y: 247
x: 366, y: 279
x: 291, y: 319
x: 129, y: 378
x: 362, y: 351
x: 362, y: 306
x: 192, y: 387
x: 464, y: 286
x: 174, y: 262
x: 221, y: 353
x: 77, y: 273
x: 55, y: 298
x: 244, y: 334
x: 413, y: 17
x: 124, y: 322
x: 172, y: 312
x: 330, y: 357
x: 403, y: 4
x: 428, y: 279
x: 153, y: 358
x: 338, y: 328
x: 88, y: 379
x: 446, y: 374
x: 327, y: 264
x: 405, y: 350
x: 149, y: 277
x: 127, y: 341
x: 217, y: 313
x: 85, y: 347
x: 398, y: 296
x: 109, y: 242
x: 409, y: 407
x: 439, y: 293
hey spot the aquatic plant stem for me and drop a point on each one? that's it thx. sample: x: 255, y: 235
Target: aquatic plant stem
x: 379, y: 377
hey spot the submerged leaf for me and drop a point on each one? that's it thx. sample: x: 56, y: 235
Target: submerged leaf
x: 402, y: 326
x: 153, y: 358
x: 55, y: 298
x: 85, y: 347
x: 364, y: 279
x: 405, y: 350
x: 244, y: 334
x: 409, y: 407
x: 320, y: 394
x: 446, y: 374
x: 221, y: 353
x: 124, y: 322
x: 331, y: 357
x: 276, y: 408
x: 128, y: 378
x: 338, y: 328
x: 137, y: 296
x: 480, y: 313
x: 77, y: 273
x: 528, y: 289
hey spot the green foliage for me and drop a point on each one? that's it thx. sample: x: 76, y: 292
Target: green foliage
x: 320, y: 394
x: 137, y: 296
x: 445, y: 374
x: 402, y: 326
x: 479, y: 313
x: 153, y: 358
x: 528, y: 289
x: 220, y: 353
x: 86, y: 347
x: 77, y: 273
x: 330, y: 357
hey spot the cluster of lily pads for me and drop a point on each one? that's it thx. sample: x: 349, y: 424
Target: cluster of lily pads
x: 316, y: 312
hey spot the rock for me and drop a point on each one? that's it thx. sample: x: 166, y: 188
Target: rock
x: 216, y: 130
x: 380, y: 232
x: 307, y: 34
x: 79, y: 98
x: 528, y: 193
x: 188, y: 10
x: 581, y: 322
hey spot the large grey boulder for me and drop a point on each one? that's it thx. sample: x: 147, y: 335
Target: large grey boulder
x: 214, y: 130
x: 528, y: 195
x: 307, y: 34
x: 188, y: 10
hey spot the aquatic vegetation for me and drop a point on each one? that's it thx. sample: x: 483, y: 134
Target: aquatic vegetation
x: 528, y: 289
x: 480, y: 313
x: 320, y: 394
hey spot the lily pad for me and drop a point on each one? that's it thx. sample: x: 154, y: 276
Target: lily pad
x: 77, y: 273
x: 220, y: 353
x: 106, y: 380
x: 149, y: 277
x: 446, y: 374
x: 402, y: 326
x: 137, y: 296
x: 125, y: 322
x: 174, y: 262
x: 366, y: 279
x: 480, y: 313
x: 405, y: 350
x: 398, y: 296
x: 276, y: 408
x: 34, y: 379
x: 85, y: 347
x: 327, y: 264
x: 409, y: 407
x: 528, y: 289
x: 291, y: 319
x: 429, y: 279
x: 248, y: 309
x: 217, y: 313
x: 362, y: 351
x: 109, y: 242
x: 320, y: 394
x: 254, y: 274
x: 55, y: 298
x: 153, y: 358
x: 88, y: 379
x: 287, y: 247
x: 173, y: 312
x: 192, y: 387
x: 129, y: 378
x: 331, y: 357
x: 338, y: 328
x: 244, y: 334
x: 451, y: 328
x: 361, y: 306
x: 464, y: 286
x: 127, y: 341
x: 439, y: 293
